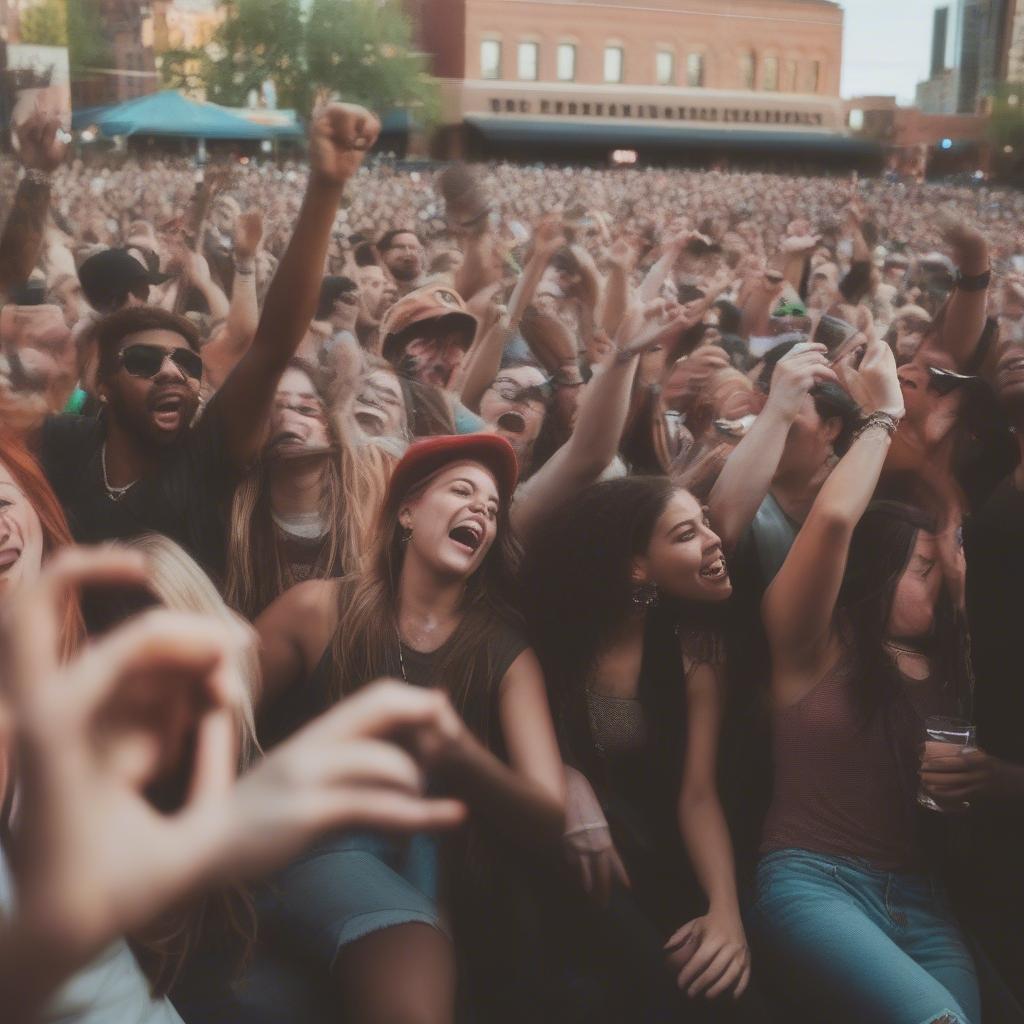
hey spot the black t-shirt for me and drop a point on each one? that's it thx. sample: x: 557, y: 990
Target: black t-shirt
x: 187, y: 498
x: 994, y: 544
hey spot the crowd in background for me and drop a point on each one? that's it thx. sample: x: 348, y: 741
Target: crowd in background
x: 507, y: 593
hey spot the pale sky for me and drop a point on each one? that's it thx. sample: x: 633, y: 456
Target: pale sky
x: 886, y: 46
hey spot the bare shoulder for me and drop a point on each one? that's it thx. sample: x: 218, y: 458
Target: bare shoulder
x: 306, y: 613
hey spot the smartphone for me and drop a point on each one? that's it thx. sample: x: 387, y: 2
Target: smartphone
x: 833, y: 332
x: 944, y: 382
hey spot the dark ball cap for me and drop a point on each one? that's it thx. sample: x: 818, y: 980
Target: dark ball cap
x: 424, y: 458
x: 109, y: 276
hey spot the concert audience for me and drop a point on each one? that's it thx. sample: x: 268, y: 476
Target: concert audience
x: 524, y: 731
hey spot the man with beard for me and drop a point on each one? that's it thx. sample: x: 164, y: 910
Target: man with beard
x: 402, y: 253
x: 143, y: 465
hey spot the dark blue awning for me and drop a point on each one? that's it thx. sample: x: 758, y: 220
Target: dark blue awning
x: 501, y: 129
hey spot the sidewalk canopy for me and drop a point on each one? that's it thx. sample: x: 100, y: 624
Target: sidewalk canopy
x: 171, y: 114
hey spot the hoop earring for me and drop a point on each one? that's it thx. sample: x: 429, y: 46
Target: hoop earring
x: 645, y: 596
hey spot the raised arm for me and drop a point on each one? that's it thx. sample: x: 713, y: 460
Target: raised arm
x: 222, y: 353
x: 710, y: 953
x: 339, y: 139
x: 41, y: 153
x: 603, y: 409
x: 621, y: 259
x: 750, y: 468
x: 964, y: 319
x: 800, y: 603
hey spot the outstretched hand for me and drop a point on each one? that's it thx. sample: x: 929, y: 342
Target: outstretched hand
x: 40, y: 141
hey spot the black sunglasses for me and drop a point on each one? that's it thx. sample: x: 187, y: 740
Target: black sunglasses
x: 145, y: 360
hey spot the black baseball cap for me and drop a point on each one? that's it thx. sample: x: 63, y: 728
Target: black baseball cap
x: 109, y: 276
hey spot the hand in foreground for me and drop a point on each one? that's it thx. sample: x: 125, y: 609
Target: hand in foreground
x: 709, y: 956
x: 587, y: 841
x: 92, y: 857
x: 339, y: 139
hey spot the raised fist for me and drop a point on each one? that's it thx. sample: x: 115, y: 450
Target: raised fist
x: 339, y: 139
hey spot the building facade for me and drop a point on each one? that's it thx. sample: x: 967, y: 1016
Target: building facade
x: 644, y: 74
x: 126, y: 28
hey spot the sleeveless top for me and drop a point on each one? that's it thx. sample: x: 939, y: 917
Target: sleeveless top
x: 844, y: 787
x: 311, y: 697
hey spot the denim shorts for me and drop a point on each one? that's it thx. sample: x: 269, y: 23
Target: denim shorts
x: 853, y: 943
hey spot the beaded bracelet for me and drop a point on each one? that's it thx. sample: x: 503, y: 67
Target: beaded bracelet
x: 34, y: 176
x: 884, y: 420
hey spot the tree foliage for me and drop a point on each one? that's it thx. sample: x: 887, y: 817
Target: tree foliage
x: 87, y: 48
x: 45, y: 23
x: 358, y: 50
x: 362, y: 50
x: 259, y: 39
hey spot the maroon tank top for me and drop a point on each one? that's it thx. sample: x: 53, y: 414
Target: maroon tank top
x: 844, y: 787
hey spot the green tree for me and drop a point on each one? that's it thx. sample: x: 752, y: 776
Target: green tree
x: 362, y: 51
x: 1006, y: 131
x: 87, y: 48
x: 45, y: 23
x: 259, y: 39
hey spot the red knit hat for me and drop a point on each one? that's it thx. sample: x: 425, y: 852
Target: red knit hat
x: 426, y: 457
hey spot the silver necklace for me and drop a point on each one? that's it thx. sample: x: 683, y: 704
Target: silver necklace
x: 114, y: 493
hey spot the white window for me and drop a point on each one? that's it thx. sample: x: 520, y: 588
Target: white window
x: 789, y: 76
x: 613, y: 63
x: 748, y: 70
x: 814, y: 76
x: 695, y: 70
x: 566, y: 62
x: 528, y: 59
x: 665, y: 67
x: 490, y: 59
x: 771, y: 74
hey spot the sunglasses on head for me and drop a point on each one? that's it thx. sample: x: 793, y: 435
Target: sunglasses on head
x: 145, y: 360
x: 510, y: 391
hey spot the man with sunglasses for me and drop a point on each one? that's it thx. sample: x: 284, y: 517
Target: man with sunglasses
x: 149, y: 462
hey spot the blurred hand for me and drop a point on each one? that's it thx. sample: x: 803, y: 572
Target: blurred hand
x: 339, y: 139
x: 795, y: 374
x: 548, y: 237
x: 874, y: 383
x: 587, y: 842
x: 248, y: 232
x: 39, y: 142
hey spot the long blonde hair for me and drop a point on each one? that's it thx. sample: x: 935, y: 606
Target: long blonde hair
x: 354, y: 481
x: 180, y: 584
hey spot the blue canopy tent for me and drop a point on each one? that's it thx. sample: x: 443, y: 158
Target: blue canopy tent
x: 170, y: 114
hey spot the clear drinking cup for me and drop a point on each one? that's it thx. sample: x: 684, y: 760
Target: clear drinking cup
x: 943, y: 738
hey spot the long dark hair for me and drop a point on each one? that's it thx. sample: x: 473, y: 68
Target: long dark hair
x: 365, y: 645
x: 577, y: 591
x: 880, y: 551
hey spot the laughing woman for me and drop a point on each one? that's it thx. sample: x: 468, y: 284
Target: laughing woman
x: 433, y: 607
x: 622, y: 587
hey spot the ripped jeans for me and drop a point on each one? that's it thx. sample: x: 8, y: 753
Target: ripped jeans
x: 852, y: 943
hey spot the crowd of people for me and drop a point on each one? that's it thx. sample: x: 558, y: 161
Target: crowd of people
x: 507, y: 593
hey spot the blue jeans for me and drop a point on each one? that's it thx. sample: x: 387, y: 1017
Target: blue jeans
x: 853, y: 943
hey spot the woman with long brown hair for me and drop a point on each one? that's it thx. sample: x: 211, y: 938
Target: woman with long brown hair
x: 306, y: 509
x: 434, y: 607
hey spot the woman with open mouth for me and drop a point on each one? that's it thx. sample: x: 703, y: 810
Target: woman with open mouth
x: 32, y: 529
x: 432, y: 606
x: 304, y: 511
x: 623, y: 587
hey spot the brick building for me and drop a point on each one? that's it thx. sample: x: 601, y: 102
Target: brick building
x: 668, y: 78
x: 126, y: 28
